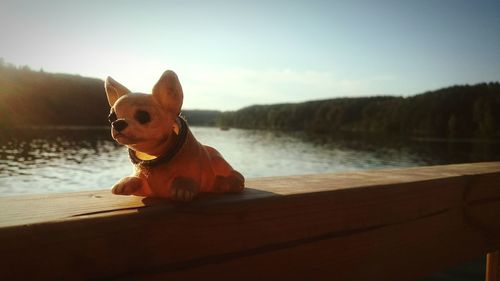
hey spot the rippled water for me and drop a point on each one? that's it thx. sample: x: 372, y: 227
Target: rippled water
x: 40, y: 161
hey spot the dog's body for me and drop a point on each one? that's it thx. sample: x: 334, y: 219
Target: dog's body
x: 169, y: 161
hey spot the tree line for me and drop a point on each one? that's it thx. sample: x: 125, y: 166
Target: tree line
x: 36, y: 98
x: 455, y: 112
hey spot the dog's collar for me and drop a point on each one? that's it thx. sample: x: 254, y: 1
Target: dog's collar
x: 167, y: 156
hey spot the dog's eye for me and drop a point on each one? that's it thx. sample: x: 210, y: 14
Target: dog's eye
x: 142, y: 116
x: 112, y: 117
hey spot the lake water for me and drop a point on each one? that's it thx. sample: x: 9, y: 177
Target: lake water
x: 60, y: 160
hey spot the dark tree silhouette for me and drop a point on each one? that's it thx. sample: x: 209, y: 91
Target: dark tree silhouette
x: 29, y: 98
x: 458, y: 111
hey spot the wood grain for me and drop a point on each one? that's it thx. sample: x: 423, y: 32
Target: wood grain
x: 398, y: 224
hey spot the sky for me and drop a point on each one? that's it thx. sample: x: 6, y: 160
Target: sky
x: 231, y: 54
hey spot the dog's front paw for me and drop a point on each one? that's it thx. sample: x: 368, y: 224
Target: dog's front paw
x: 182, y: 194
x: 183, y: 189
x: 127, y: 186
x: 235, y: 183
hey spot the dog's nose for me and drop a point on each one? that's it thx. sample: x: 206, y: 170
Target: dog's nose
x: 119, y: 125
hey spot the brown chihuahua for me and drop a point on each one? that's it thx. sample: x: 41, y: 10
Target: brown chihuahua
x: 169, y: 162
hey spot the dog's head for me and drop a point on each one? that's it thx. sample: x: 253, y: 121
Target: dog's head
x: 145, y: 122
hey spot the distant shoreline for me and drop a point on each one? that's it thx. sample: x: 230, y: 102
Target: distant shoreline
x: 339, y: 135
x: 46, y: 101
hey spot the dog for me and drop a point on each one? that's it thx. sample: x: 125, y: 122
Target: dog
x: 168, y: 161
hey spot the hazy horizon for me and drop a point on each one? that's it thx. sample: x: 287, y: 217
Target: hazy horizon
x: 229, y: 55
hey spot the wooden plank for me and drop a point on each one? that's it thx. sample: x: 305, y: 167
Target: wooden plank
x: 369, y: 220
x: 42, y: 208
x: 32, y: 209
x: 408, y: 251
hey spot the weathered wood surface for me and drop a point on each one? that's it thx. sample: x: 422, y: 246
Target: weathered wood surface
x: 399, y: 224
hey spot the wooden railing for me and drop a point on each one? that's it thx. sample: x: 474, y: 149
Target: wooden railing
x: 400, y: 224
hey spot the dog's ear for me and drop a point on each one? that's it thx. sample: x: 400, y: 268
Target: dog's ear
x: 114, y: 90
x: 168, y: 92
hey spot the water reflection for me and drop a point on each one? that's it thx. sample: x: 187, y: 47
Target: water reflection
x: 39, y: 161
x: 268, y: 153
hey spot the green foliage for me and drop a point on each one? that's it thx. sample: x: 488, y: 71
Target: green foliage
x: 458, y: 111
x: 29, y: 98
x: 201, y: 117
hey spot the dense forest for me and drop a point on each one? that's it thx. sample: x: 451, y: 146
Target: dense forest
x: 36, y: 98
x: 454, y: 112
x: 199, y: 117
x: 31, y: 98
